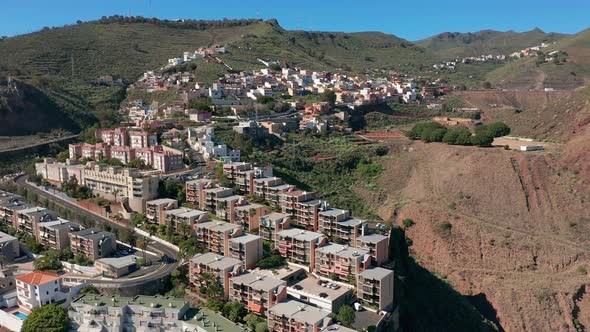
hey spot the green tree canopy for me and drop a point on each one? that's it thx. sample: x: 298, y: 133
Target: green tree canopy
x: 48, y: 318
x: 346, y: 315
x: 458, y: 136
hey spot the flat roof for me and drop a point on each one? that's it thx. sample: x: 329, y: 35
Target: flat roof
x: 218, y: 226
x: 119, y: 262
x: 162, y: 201
x: 6, y: 237
x: 258, y: 281
x: 92, y: 233
x: 300, y: 312
x: 342, y: 250
x: 300, y: 234
x: 216, y: 190
x: 333, y: 212
x: 59, y: 224
x: 215, y: 261
x: 230, y: 198
x: 248, y: 206
x: 33, y: 209
x: 372, y: 238
x: 245, y: 238
x: 210, y: 321
x: 376, y: 273
x: 281, y: 273
x: 311, y: 287
x: 140, y: 300
x: 352, y: 222
x: 274, y: 216
x: 337, y: 328
x: 185, y: 212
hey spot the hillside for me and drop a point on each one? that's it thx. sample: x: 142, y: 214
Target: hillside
x: 526, y: 74
x: 449, y: 45
x: 506, y: 229
x: 61, y: 62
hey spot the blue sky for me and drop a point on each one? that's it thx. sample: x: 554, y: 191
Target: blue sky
x: 410, y: 19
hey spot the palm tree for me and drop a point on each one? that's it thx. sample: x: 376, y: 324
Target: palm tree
x: 223, y: 206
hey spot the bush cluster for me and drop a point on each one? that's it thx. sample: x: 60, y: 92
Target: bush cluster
x: 435, y: 132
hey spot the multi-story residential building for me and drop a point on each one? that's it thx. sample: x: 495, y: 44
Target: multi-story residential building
x: 222, y: 268
x: 375, y: 288
x: 174, y: 218
x: 96, y: 151
x: 341, y: 261
x: 167, y: 159
x: 339, y: 226
x: 295, y: 316
x: 258, y: 292
x: 28, y: 220
x: 299, y: 246
x: 231, y: 169
x: 377, y: 245
x: 303, y: 208
x: 275, y: 193
x: 58, y: 173
x: 93, y: 243
x: 125, y: 154
x: 209, y: 198
x: 120, y: 183
x: 56, y: 234
x: 154, y: 210
x: 116, y: 137
x: 38, y: 288
x: 323, y: 294
x: 216, y: 235
x: 248, y: 215
x: 247, y: 248
x: 271, y: 224
x: 226, y: 205
x: 194, y: 191
x: 92, y: 312
x: 142, y: 139
x: 262, y: 185
x: 9, y: 248
x: 9, y: 205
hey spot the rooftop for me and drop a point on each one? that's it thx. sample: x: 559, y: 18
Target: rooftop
x: 185, y: 212
x: 161, y: 201
x: 313, y: 287
x: 119, y: 262
x: 245, y: 238
x: 38, y: 277
x: 6, y: 237
x: 248, y: 207
x: 259, y: 281
x: 300, y: 235
x: 342, y: 250
x: 333, y: 212
x: 209, y: 321
x: 376, y: 273
x: 140, y: 300
x: 218, y: 226
x: 216, y: 262
x: 372, y: 238
x: 275, y: 216
x: 300, y: 312
x: 337, y: 328
x: 92, y: 233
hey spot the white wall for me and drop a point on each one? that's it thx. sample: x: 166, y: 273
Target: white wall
x: 10, y: 321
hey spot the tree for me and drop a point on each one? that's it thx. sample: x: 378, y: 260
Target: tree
x: 408, y: 223
x: 234, y: 311
x: 346, y: 315
x: 498, y: 129
x: 328, y: 96
x: 458, y: 136
x: 262, y: 327
x: 252, y: 320
x: 48, y: 318
x: 214, y: 304
x: 47, y: 263
x: 143, y: 243
x: 483, y: 138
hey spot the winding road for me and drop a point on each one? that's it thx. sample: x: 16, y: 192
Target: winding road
x: 165, y: 270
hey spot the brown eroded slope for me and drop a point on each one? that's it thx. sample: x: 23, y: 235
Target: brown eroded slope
x: 517, y: 245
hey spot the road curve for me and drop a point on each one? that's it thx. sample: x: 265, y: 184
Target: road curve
x: 162, y: 272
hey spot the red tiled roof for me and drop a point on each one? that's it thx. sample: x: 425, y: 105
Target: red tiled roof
x: 38, y: 277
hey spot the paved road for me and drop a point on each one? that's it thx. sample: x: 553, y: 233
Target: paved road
x: 162, y: 272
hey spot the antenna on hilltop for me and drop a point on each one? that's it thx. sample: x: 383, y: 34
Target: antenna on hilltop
x: 257, y: 14
x: 128, y: 12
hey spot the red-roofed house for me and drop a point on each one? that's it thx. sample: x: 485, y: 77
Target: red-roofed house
x: 38, y: 288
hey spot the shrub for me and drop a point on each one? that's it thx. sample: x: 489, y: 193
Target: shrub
x: 445, y: 228
x: 346, y: 315
x: 458, y: 136
x: 421, y: 130
x: 498, y: 129
x: 483, y: 138
x: 434, y: 135
x: 49, y: 318
x: 408, y: 223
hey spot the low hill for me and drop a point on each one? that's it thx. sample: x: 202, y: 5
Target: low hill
x: 505, y: 228
x: 67, y: 59
x: 449, y: 45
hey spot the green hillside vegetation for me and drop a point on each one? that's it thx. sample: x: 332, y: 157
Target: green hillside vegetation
x: 449, y: 45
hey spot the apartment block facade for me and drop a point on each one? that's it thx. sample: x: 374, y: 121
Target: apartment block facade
x: 248, y: 215
x: 247, y: 248
x: 93, y: 243
x: 295, y: 316
x: 216, y: 235
x: 299, y: 246
x: 273, y: 223
x: 223, y: 268
x: 257, y: 292
x: 154, y: 210
x: 341, y: 261
x: 176, y: 217
x: 303, y: 207
x: 339, y: 226
x: 56, y: 234
x: 375, y: 288
x: 377, y: 245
